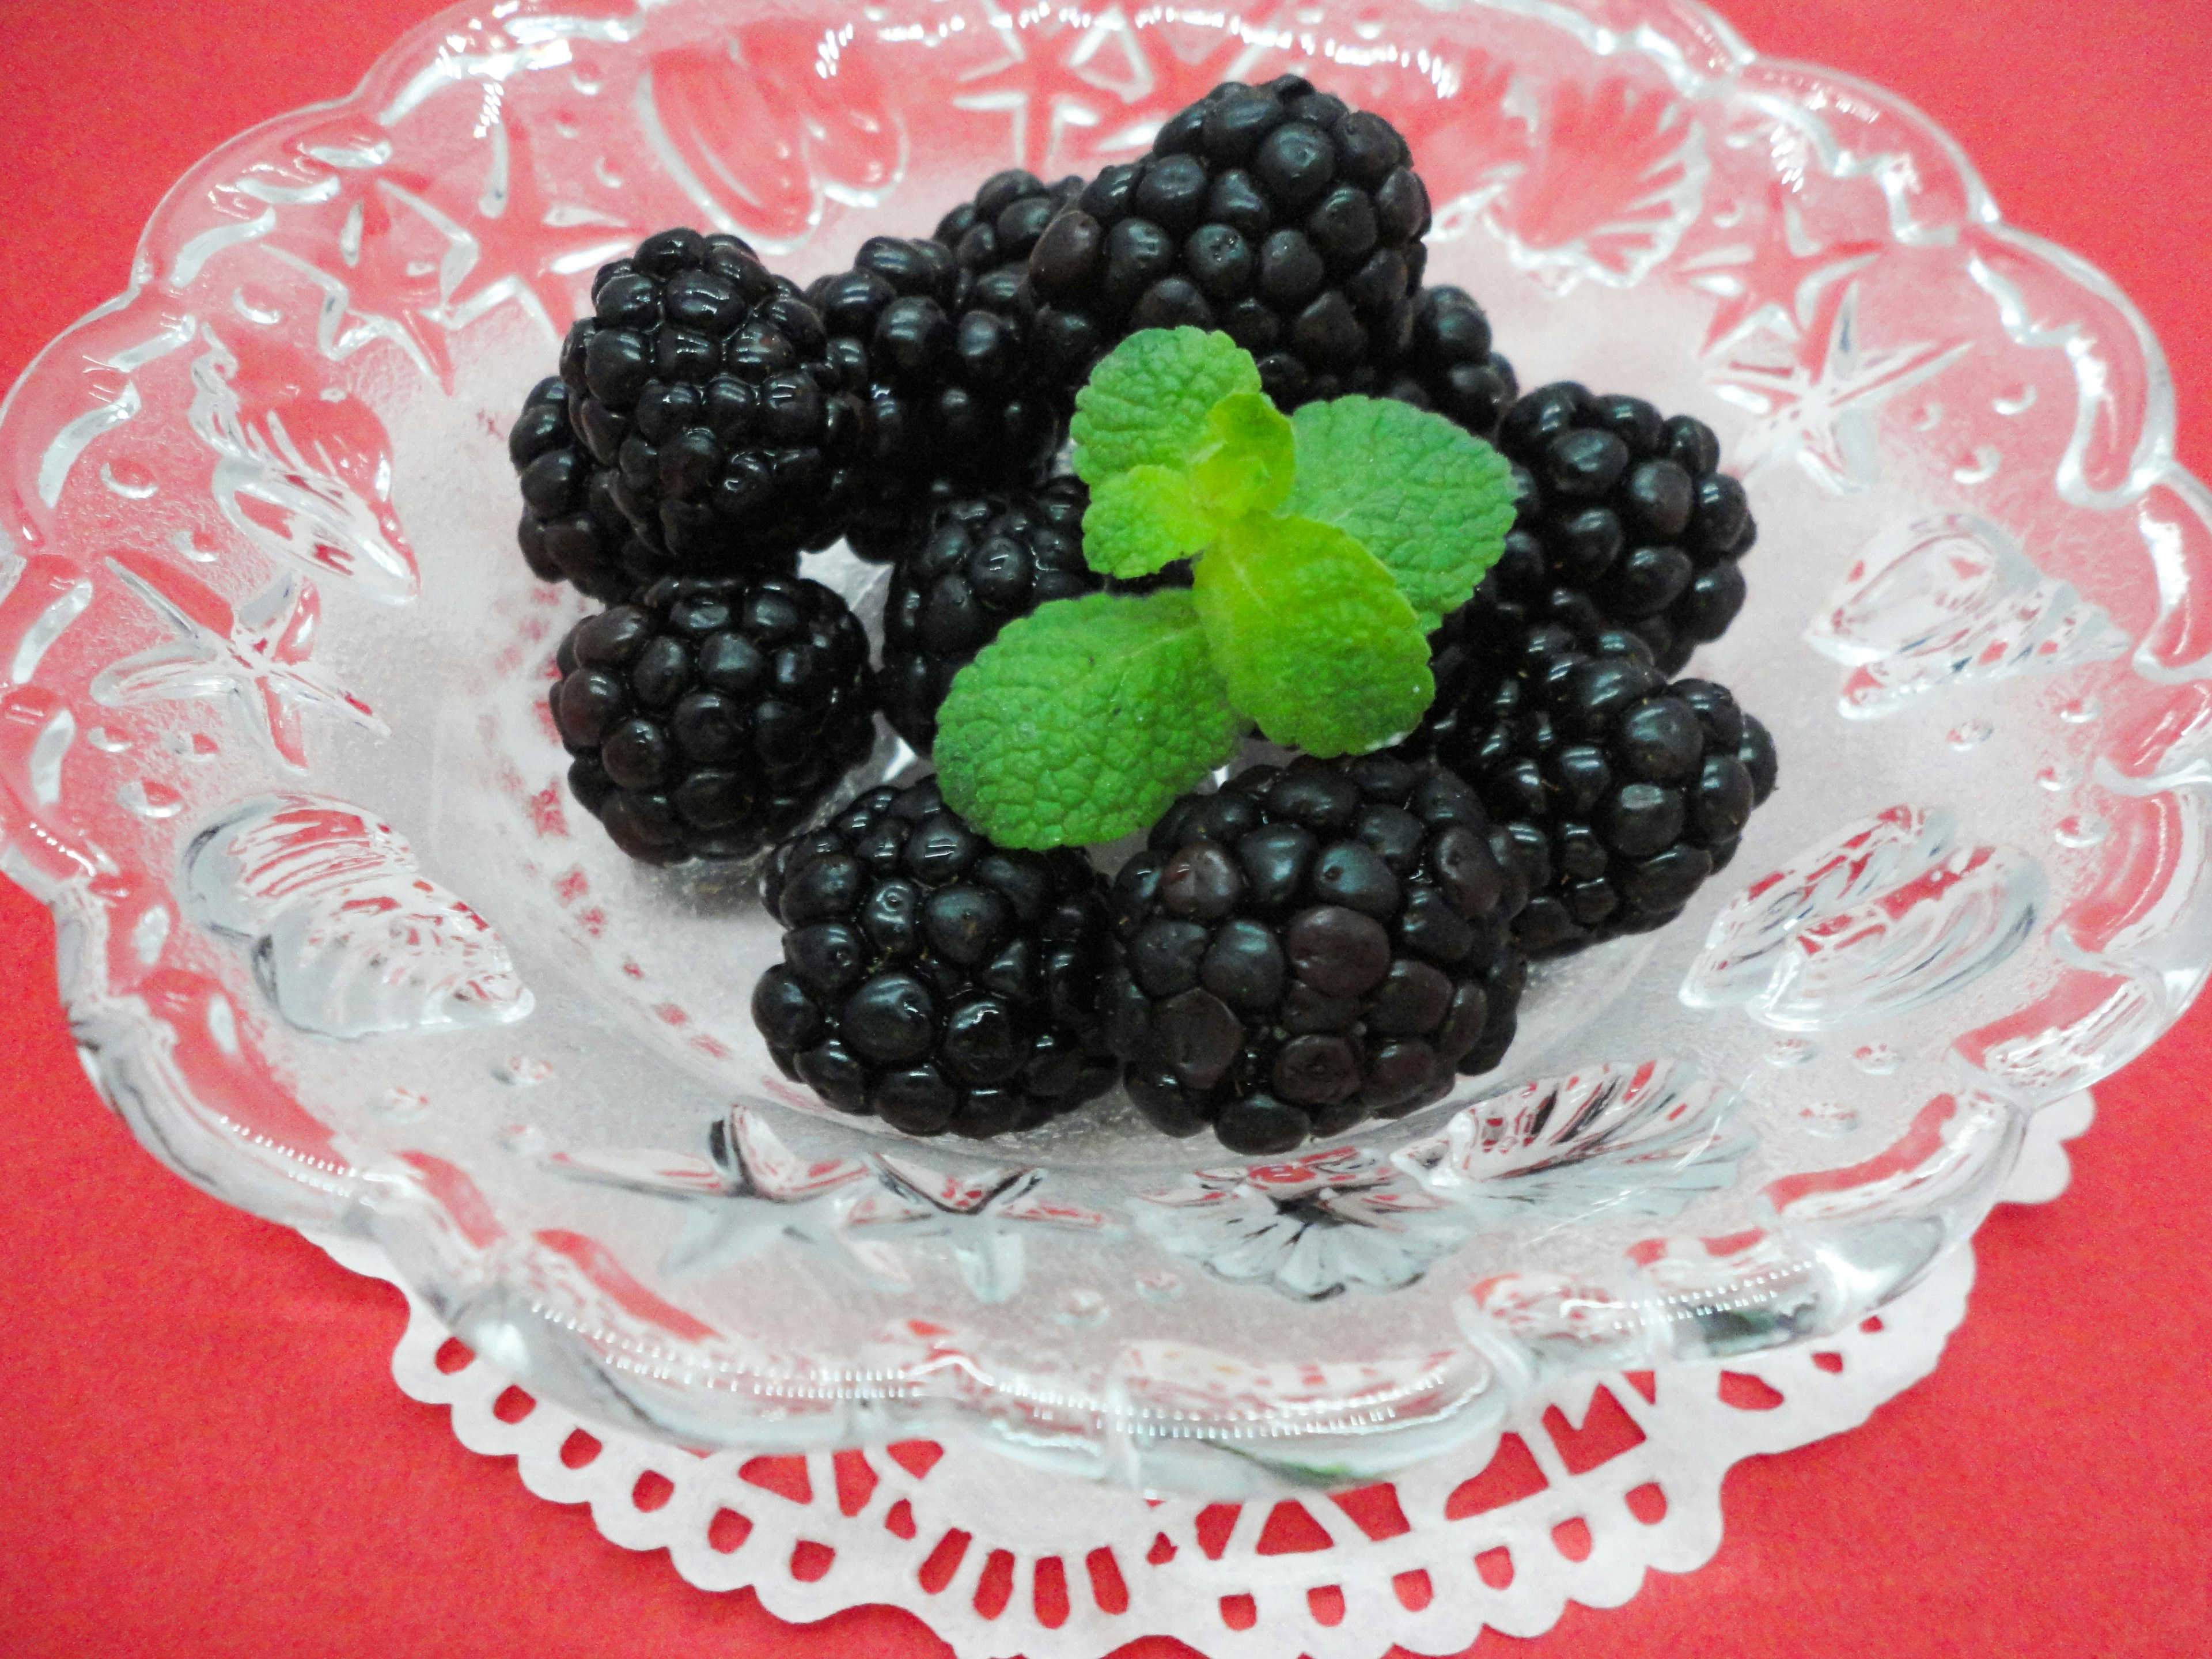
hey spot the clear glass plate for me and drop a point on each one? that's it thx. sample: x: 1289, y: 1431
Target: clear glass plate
x: 272, y: 745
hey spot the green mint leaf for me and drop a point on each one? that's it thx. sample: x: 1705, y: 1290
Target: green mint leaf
x: 1141, y: 519
x: 1148, y: 401
x: 1430, y: 502
x: 1251, y: 470
x: 1083, y: 721
x: 1313, y: 636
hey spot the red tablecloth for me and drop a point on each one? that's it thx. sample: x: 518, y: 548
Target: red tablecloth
x: 203, y: 1453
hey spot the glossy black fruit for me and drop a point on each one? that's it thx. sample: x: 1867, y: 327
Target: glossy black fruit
x: 992, y: 233
x: 941, y: 330
x: 930, y: 978
x: 1624, y: 521
x: 1310, y: 946
x: 1275, y: 213
x: 571, y: 529
x: 706, y: 412
x: 1617, y: 793
x: 711, y: 714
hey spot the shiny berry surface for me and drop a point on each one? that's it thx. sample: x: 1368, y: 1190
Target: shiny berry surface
x: 939, y: 335
x: 700, y: 426
x: 1624, y: 521
x: 1619, y: 793
x: 711, y: 715
x: 931, y: 979
x: 1312, y: 946
x: 1271, y: 213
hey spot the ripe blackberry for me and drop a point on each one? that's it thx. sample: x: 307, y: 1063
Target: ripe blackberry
x: 1489, y: 639
x: 1448, y: 364
x: 1274, y: 214
x: 571, y: 529
x: 711, y: 715
x: 978, y: 564
x: 703, y: 384
x: 943, y: 353
x: 932, y: 979
x: 1310, y: 946
x: 1618, y: 792
x: 1626, y: 506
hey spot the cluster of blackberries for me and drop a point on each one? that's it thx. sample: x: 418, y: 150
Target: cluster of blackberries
x: 1619, y: 793
x: 712, y: 714
x: 1615, y: 792
x: 944, y: 356
x: 1310, y: 946
x: 1624, y: 517
x: 1276, y: 213
x: 711, y: 419
x: 931, y: 979
x: 1307, y: 945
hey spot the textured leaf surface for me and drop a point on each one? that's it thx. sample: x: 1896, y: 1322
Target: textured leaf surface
x: 1083, y: 721
x: 1251, y: 470
x: 1148, y: 401
x: 1430, y: 502
x: 1141, y: 519
x: 1312, y: 636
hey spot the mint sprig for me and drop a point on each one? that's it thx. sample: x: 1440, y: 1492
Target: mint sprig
x: 1091, y: 715
x: 1411, y: 488
x: 1326, y: 547
x: 1313, y: 639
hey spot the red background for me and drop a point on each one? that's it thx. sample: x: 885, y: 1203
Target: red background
x: 204, y: 1452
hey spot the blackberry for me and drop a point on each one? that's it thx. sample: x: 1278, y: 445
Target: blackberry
x: 703, y: 385
x: 1625, y: 505
x: 1618, y: 793
x: 711, y: 715
x: 1275, y: 213
x: 978, y: 564
x: 931, y: 979
x: 1310, y: 946
x: 943, y: 351
x: 1489, y: 639
x: 571, y: 529
x: 1448, y: 364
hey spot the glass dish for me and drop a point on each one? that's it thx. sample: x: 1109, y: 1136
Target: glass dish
x: 335, y: 944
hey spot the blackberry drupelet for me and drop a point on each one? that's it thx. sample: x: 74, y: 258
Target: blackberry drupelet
x: 978, y: 564
x: 1310, y: 946
x: 1448, y: 364
x: 1617, y: 793
x: 943, y: 353
x: 931, y: 979
x: 1274, y: 214
x: 1627, y: 507
x: 711, y: 715
x: 703, y: 385
x: 571, y: 529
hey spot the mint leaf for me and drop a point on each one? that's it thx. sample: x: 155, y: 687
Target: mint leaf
x: 1148, y: 401
x: 1084, y: 719
x: 1430, y: 502
x: 1312, y: 636
x: 1250, y: 471
x: 1141, y: 519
